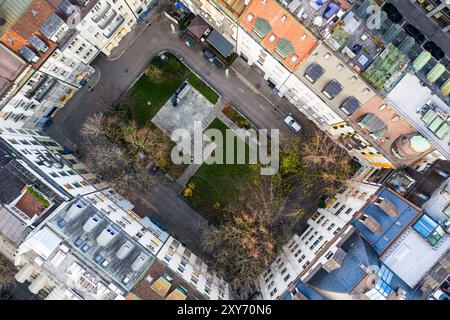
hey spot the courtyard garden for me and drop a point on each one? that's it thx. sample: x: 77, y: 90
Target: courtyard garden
x: 214, y: 186
x: 157, y: 85
x: 134, y: 143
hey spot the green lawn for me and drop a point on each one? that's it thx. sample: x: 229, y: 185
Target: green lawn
x: 157, y: 93
x: 157, y: 88
x: 203, y: 88
x: 216, y: 185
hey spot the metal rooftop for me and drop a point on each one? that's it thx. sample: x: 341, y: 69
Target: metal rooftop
x: 101, y: 242
x: 391, y: 227
x: 220, y: 43
x: 28, y: 54
x: 51, y: 25
x: 332, y: 89
x: 37, y: 43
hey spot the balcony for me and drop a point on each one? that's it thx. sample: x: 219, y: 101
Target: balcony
x: 101, y: 12
x: 113, y: 26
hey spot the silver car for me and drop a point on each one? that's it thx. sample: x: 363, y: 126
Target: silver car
x: 293, y: 124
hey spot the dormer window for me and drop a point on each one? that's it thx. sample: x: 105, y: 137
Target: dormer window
x: 272, y: 38
x: 304, y: 36
x: 283, y: 18
x: 294, y: 58
x: 249, y: 17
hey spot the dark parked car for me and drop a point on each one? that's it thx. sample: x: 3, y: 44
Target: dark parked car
x: 208, y: 54
x: 392, y: 13
x: 435, y: 51
x: 217, y: 63
x: 357, y: 48
x: 415, y: 33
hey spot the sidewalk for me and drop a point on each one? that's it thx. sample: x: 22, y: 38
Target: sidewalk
x: 136, y: 32
x: 254, y: 78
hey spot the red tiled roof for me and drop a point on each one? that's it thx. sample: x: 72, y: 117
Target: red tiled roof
x: 284, y: 25
x: 28, y: 25
x: 29, y: 205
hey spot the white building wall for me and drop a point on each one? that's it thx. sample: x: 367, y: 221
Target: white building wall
x: 256, y: 54
x: 106, y: 24
x: 34, y: 147
x: 139, y: 6
x: 193, y: 270
x: 309, y: 103
x: 71, y: 62
x: 301, y: 251
x: 25, y: 108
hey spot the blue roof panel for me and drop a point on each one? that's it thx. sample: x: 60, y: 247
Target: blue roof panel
x: 391, y: 227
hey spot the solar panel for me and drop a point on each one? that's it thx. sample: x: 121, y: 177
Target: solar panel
x: 51, y: 25
x: 28, y: 54
x: 314, y: 72
x: 37, y: 43
x: 333, y: 88
x: 351, y: 105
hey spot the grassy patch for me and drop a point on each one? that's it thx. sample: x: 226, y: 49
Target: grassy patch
x: 214, y: 186
x: 154, y: 88
x: 39, y: 197
x: 236, y: 117
x: 145, y: 91
x: 203, y: 88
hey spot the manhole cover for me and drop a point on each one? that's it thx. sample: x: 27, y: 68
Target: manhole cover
x: 257, y: 86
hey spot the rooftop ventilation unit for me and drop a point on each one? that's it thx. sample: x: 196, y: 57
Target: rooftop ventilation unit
x: 138, y: 264
x: 106, y: 236
x: 91, y: 223
x: 75, y: 210
x: 24, y: 273
x: 125, y: 250
x: 38, y: 283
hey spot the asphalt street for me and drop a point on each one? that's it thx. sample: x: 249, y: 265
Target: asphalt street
x: 248, y: 92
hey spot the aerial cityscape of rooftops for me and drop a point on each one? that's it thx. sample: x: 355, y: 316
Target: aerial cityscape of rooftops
x: 349, y: 99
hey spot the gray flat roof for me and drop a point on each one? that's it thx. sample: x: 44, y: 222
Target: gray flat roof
x: 391, y: 227
x: 86, y: 243
x: 220, y: 43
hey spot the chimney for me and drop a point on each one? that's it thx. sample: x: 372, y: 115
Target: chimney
x: 336, y: 261
x: 370, y: 223
x: 387, y: 206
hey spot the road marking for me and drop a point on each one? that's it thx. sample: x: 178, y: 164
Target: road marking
x: 262, y: 107
x: 241, y: 90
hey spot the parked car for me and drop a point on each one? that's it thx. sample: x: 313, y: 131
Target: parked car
x: 392, y: 12
x: 293, y: 124
x: 208, y: 54
x: 434, y: 49
x: 415, y: 33
x: 217, y: 63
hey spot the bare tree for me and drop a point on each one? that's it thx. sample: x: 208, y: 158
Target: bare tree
x: 244, y: 245
x: 92, y: 127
